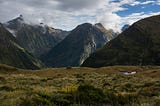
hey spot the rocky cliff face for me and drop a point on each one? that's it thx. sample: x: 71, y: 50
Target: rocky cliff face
x: 11, y: 53
x: 137, y: 45
x: 37, y: 39
x: 78, y: 45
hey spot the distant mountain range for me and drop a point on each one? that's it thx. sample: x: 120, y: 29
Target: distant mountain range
x: 32, y: 46
x: 55, y: 47
x: 11, y: 53
x: 78, y: 45
x: 37, y: 39
x: 137, y: 45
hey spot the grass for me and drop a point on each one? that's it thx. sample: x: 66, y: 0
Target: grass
x: 61, y: 86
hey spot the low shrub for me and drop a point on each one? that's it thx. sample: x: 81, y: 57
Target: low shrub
x: 6, y: 88
x: 89, y: 95
x: 85, y: 95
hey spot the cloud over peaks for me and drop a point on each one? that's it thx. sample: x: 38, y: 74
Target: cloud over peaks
x: 67, y: 14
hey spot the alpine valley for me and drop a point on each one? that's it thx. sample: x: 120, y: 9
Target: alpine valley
x: 79, y: 52
x: 116, y: 69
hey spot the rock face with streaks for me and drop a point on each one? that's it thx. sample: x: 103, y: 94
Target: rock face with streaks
x: 37, y: 39
x: 11, y: 53
x: 78, y: 45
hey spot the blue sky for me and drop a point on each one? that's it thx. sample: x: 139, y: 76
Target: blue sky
x: 67, y: 14
x: 146, y: 8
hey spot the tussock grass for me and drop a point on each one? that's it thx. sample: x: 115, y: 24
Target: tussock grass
x: 19, y: 87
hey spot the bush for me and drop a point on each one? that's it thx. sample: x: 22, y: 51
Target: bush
x: 121, y: 100
x: 63, y: 99
x: 37, y: 100
x: 89, y: 95
x: 85, y: 95
x: 6, y: 88
x: 2, y: 79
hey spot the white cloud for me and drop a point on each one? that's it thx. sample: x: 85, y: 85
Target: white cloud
x: 147, y: 2
x: 130, y: 19
x: 142, y: 3
x: 67, y: 14
x: 111, y: 21
x: 158, y: 2
x: 79, y: 4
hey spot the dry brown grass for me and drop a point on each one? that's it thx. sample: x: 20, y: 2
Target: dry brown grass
x: 17, y: 83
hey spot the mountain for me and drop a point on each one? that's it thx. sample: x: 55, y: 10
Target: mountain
x: 37, y: 39
x: 78, y: 45
x: 11, y: 53
x: 137, y: 45
x: 125, y: 27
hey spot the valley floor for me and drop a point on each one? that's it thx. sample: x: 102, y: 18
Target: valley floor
x: 107, y: 86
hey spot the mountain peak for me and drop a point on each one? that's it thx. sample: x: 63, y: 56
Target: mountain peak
x: 84, y: 25
x: 88, y: 24
x: 16, y: 23
x: 21, y: 15
x: 18, y: 20
x: 99, y: 25
x: 77, y: 46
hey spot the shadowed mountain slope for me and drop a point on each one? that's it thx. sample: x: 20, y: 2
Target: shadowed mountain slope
x: 137, y: 45
x: 11, y: 53
x: 78, y: 45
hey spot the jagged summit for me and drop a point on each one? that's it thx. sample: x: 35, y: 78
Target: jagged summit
x: 19, y: 19
x: 21, y: 15
x: 37, y: 39
x: 99, y: 24
x: 15, y: 24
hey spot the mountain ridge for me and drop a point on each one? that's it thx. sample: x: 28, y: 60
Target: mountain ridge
x: 37, y: 39
x: 11, y: 53
x: 77, y: 46
x: 137, y: 45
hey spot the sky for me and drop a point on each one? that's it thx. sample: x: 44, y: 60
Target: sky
x: 67, y: 14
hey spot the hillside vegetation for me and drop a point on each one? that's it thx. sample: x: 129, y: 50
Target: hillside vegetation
x: 11, y: 53
x: 137, y: 45
x: 107, y: 86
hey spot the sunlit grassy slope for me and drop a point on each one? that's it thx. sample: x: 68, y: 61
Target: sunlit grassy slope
x: 52, y: 87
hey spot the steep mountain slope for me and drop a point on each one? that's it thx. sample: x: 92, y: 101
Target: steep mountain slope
x: 13, y: 54
x: 37, y: 39
x: 78, y: 45
x: 137, y: 45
